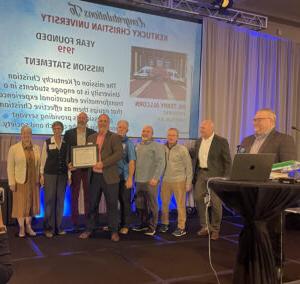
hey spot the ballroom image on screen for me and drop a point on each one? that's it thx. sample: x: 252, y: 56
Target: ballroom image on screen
x: 158, y: 74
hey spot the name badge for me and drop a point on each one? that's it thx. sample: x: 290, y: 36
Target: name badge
x: 52, y: 146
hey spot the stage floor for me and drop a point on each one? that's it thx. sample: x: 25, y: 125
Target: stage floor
x: 136, y: 258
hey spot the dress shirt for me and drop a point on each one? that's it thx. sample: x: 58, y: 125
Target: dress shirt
x: 259, y: 140
x: 99, y: 142
x: 204, y: 150
x: 81, y: 137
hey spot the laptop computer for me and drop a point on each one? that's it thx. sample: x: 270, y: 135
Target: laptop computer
x: 252, y: 167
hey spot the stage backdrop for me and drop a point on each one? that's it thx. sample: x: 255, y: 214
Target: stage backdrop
x: 61, y: 57
x: 243, y: 71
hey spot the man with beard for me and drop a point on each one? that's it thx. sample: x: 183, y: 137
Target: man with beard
x: 104, y: 177
x: 75, y: 137
x: 150, y: 165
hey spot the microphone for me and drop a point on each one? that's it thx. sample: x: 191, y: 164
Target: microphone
x: 240, y: 149
x: 295, y: 128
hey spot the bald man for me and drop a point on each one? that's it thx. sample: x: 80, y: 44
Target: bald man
x: 267, y: 140
x: 211, y: 158
x: 75, y: 137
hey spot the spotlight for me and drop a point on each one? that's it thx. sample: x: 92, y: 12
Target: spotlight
x: 222, y: 4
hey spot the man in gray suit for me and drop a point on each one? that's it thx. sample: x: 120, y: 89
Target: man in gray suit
x: 267, y: 140
x: 104, y: 177
x: 211, y: 158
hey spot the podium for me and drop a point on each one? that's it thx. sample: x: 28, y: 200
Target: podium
x: 257, y: 203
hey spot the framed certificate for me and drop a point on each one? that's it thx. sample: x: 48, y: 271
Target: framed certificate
x: 84, y: 156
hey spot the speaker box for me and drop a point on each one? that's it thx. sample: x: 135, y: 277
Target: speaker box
x: 292, y: 221
x: 6, y: 207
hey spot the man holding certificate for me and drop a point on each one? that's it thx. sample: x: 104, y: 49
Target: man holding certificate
x: 76, y: 137
x: 104, y: 177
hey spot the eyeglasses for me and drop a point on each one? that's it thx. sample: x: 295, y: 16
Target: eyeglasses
x: 260, y: 118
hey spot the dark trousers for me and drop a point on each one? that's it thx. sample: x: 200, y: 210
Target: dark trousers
x: 125, y: 202
x: 55, y: 188
x: 146, y: 203
x: 6, y: 270
x: 274, y: 227
x: 215, y: 210
x: 111, y: 192
x: 78, y: 176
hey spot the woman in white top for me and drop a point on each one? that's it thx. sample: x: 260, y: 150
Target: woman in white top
x: 23, y: 167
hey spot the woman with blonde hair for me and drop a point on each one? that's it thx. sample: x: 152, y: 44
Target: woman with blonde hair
x: 23, y: 167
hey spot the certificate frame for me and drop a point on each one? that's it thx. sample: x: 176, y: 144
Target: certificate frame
x: 84, y: 156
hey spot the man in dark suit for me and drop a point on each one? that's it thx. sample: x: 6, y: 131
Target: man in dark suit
x: 104, y: 177
x: 74, y: 137
x: 211, y: 158
x: 267, y: 140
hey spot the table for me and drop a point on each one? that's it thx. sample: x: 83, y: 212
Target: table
x: 257, y: 203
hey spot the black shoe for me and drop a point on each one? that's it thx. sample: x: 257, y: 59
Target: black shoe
x: 179, y: 232
x: 61, y: 232
x: 150, y: 232
x: 163, y: 228
x: 140, y: 228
